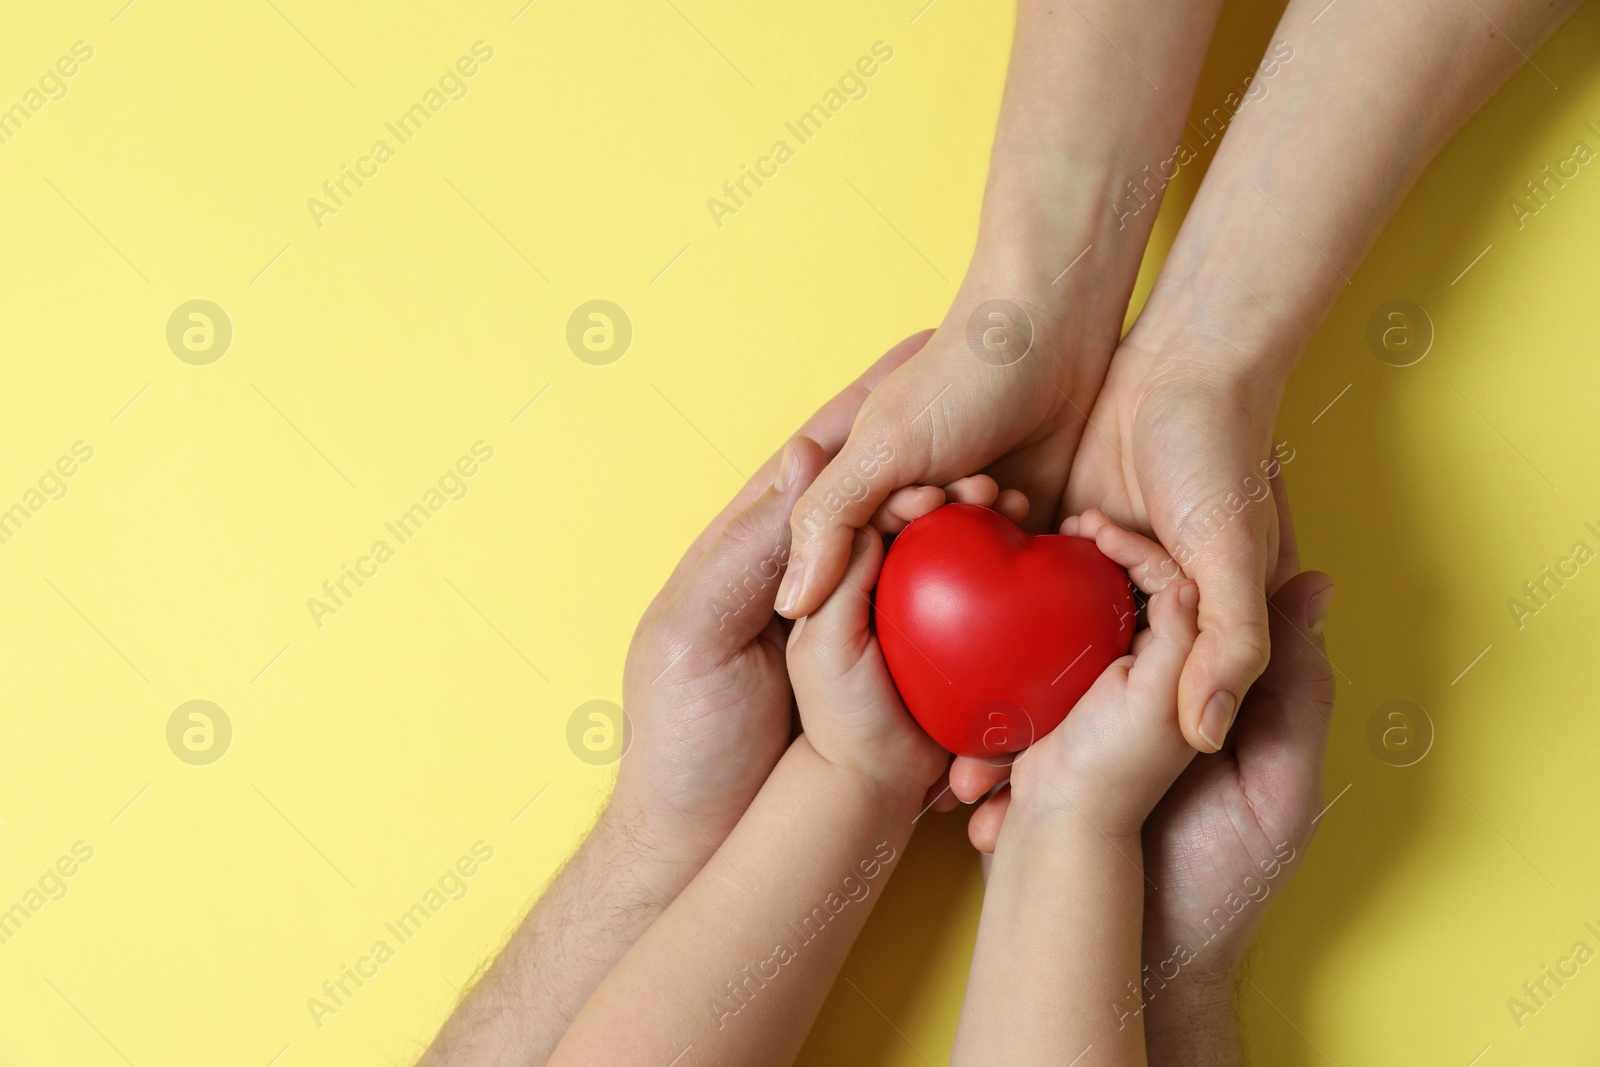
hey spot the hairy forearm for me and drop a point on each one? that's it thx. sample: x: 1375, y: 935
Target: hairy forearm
x: 610, y: 892
x: 1311, y: 170
x: 1056, y: 967
x: 1193, y: 1022
x: 739, y: 965
x: 1096, y: 92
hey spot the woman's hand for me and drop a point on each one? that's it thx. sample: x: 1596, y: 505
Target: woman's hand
x: 1179, y: 445
x: 1008, y: 381
x: 1003, y: 387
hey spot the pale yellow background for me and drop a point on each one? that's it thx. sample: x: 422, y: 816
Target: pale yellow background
x: 371, y: 753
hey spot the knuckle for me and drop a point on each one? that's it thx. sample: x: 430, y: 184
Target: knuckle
x: 1322, y: 691
x: 810, y: 517
x: 859, y: 478
x: 751, y: 529
x: 1252, y: 642
x: 1255, y: 643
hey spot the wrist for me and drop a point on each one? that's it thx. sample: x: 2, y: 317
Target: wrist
x: 1062, y: 257
x: 1192, y: 1021
x: 1047, y: 814
x: 1069, y: 795
x: 1238, y: 346
x: 658, y: 852
x: 891, y: 796
x: 1069, y: 344
x: 1244, y: 310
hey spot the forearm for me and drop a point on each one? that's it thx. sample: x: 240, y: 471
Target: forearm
x: 1056, y: 970
x: 1311, y: 170
x: 613, y: 888
x: 1193, y: 1022
x: 739, y: 965
x: 1095, y: 98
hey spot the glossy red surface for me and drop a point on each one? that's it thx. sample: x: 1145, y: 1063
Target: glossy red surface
x: 993, y: 634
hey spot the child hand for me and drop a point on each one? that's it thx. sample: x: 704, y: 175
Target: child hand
x: 1121, y: 747
x: 909, y: 503
x: 849, y: 708
x: 1071, y: 844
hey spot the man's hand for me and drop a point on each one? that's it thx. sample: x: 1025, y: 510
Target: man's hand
x: 708, y: 697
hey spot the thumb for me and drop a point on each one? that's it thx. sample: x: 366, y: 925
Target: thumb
x: 728, y: 598
x: 887, y: 449
x: 1230, y: 566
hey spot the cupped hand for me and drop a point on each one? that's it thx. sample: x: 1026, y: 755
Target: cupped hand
x: 1174, y: 440
x: 1180, y: 445
x: 705, y: 686
x: 1235, y: 822
x: 1119, y: 749
x: 1003, y: 388
x: 849, y: 709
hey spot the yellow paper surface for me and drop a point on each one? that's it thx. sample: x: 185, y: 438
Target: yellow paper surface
x: 378, y: 340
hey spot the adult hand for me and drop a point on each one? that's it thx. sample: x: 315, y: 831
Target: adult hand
x: 1283, y: 217
x: 1180, y: 445
x: 955, y: 409
x: 705, y: 686
x: 708, y: 696
x: 1007, y: 382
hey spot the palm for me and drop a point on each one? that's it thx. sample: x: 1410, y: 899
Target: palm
x: 714, y: 730
x: 857, y: 719
x: 1166, y: 446
x: 1203, y: 842
x: 1233, y: 814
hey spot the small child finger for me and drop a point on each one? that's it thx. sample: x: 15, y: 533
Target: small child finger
x: 983, y: 829
x: 1013, y: 504
x: 842, y: 620
x: 977, y: 489
x: 1146, y: 562
x: 1174, y: 624
x: 972, y: 777
x: 904, y: 506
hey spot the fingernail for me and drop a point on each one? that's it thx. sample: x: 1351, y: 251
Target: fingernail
x: 1217, y: 718
x: 1317, y: 610
x: 1189, y: 595
x: 789, y: 588
x: 787, y: 466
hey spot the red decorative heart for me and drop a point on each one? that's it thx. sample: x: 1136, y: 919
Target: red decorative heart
x: 992, y: 634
